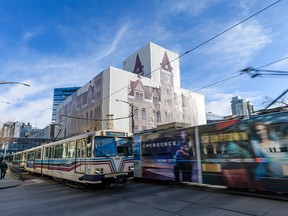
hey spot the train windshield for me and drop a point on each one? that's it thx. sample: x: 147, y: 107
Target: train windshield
x: 124, y: 146
x: 110, y: 146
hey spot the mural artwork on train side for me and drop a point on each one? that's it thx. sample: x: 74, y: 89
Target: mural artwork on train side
x: 249, y: 153
x: 169, y: 155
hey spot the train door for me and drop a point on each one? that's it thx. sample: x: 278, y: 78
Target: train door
x: 80, y: 156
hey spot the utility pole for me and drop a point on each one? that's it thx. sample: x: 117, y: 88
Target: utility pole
x: 132, y: 112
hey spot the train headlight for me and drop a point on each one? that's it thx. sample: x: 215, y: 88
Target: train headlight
x: 99, y: 171
x: 131, y: 168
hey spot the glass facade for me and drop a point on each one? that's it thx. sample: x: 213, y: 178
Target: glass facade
x: 60, y: 94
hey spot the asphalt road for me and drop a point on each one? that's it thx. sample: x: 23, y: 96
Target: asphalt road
x: 41, y: 197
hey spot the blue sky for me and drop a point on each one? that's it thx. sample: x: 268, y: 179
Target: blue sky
x: 62, y: 43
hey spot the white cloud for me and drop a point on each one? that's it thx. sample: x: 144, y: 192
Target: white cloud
x: 219, y: 102
x: 190, y: 8
x: 28, y: 35
x: 46, y: 72
x: 240, y: 44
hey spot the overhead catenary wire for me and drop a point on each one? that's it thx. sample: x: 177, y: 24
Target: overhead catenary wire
x: 197, y: 46
x: 194, y: 48
x: 221, y: 81
x: 258, y: 72
x: 195, y: 90
x: 274, y: 62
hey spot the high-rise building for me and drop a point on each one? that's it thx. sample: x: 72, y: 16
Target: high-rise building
x: 149, y: 83
x: 241, y: 107
x: 60, y: 94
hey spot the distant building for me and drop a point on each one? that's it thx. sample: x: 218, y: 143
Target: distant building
x: 17, y: 136
x: 60, y: 94
x: 241, y: 107
x: 149, y: 80
x: 212, y: 118
x: 45, y: 133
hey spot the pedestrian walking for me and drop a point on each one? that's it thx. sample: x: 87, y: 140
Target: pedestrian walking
x: 3, y: 167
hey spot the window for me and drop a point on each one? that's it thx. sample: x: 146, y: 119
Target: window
x: 58, y: 151
x: 78, y: 148
x: 98, y: 83
x: 65, y: 150
x: 143, y: 113
x: 124, y: 146
x: 97, y: 112
x: 135, y: 114
x: 90, y: 99
x: 104, y: 146
x: 155, y: 99
x: 98, y: 95
x: 89, y: 146
x: 71, y: 149
x: 38, y: 154
x: 139, y: 96
x: 31, y: 155
x: 158, y: 116
x: 51, y: 151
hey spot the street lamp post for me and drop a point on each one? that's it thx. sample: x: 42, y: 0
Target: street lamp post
x: 132, y: 112
x: 19, y: 83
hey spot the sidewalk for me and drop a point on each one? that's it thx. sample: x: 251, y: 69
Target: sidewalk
x: 9, y: 181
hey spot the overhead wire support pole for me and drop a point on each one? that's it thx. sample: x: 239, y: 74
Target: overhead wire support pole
x: 4, y: 82
x: 274, y: 101
x: 254, y: 72
x: 132, y: 112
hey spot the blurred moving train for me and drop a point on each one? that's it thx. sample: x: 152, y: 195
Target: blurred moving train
x: 240, y: 153
x: 94, y: 157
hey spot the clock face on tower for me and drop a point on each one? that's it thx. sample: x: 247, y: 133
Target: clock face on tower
x: 167, y: 79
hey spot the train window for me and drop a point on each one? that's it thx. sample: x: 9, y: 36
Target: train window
x: 31, y: 155
x: 71, y: 149
x: 104, y: 146
x: 51, y: 152
x: 78, y: 148
x: 46, y: 152
x: 58, y: 151
x: 89, y: 146
x: 38, y: 154
x: 17, y: 157
x: 65, y: 150
x: 124, y: 146
x: 84, y: 148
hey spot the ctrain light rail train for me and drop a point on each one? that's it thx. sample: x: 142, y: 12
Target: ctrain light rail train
x: 95, y: 157
x: 241, y: 153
